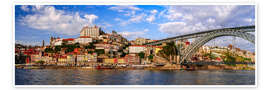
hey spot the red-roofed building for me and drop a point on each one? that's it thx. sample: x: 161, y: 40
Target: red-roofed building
x: 69, y: 40
x: 83, y: 40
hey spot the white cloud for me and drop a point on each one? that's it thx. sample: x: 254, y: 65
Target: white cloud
x: 28, y: 43
x: 128, y: 10
x: 199, y: 18
x: 50, y: 19
x: 190, y: 19
x: 173, y: 14
x: 91, y: 18
x: 154, y: 11
x: 25, y: 8
x: 122, y: 8
x: 137, y: 18
x: 152, y: 17
x: 105, y: 25
x: 117, y: 19
x: 211, y: 20
x: 134, y: 19
x: 180, y: 28
x: 133, y: 35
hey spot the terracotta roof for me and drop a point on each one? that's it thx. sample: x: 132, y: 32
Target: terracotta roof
x: 84, y: 37
x: 68, y: 39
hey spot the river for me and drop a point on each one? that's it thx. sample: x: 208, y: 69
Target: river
x: 132, y: 77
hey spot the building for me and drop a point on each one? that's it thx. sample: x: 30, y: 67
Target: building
x: 136, y: 48
x: 132, y: 59
x: 83, y: 40
x: 55, y: 41
x: 68, y: 41
x: 91, y: 31
x: 141, y: 41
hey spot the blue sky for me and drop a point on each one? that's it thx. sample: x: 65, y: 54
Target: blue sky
x: 34, y: 23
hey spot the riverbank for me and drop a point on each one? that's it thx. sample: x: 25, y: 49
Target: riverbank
x: 146, y: 67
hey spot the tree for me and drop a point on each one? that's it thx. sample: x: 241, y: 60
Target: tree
x: 169, y: 50
x: 141, y: 54
x: 150, y: 57
x: 90, y: 46
x: 90, y: 52
x: 49, y: 50
x: 229, y: 58
x: 57, y: 48
x: 99, y: 51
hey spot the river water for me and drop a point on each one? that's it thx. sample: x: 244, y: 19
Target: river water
x: 132, y: 77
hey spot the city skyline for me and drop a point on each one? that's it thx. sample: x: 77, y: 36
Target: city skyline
x: 147, y: 21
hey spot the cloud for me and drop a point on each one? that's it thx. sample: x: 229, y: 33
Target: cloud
x: 154, y: 11
x: 25, y: 8
x: 133, y: 19
x: 91, y: 18
x: 105, y: 25
x: 133, y: 35
x: 189, y: 19
x: 180, y: 28
x: 128, y: 10
x: 152, y: 17
x: 28, y: 43
x: 123, y: 8
x: 137, y: 18
x: 50, y: 19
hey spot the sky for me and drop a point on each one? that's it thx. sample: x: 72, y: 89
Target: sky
x: 34, y: 23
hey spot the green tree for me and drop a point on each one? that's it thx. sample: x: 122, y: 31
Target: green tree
x: 90, y: 52
x: 150, y: 57
x: 169, y: 50
x: 141, y: 55
x: 49, y: 50
x: 57, y: 48
x: 229, y: 58
x: 99, y: 51
x: 90, y: 46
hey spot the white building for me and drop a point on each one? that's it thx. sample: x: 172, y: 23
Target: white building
x: 136, y: 48
x: 83, y: 40
x: 90, y: 31
x: 56, y: 41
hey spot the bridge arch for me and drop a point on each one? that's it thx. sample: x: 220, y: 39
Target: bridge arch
x: 191, y: 49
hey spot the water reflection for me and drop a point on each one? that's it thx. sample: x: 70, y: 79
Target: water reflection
x: 131, y: 77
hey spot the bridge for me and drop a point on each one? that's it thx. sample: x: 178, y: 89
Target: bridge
x: 204, y: 37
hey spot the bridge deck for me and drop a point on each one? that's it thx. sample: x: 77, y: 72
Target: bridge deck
x: 203, y: 32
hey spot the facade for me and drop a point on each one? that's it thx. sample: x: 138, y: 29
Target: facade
x: 68, y: 41
x: 90, y: 31
x: 136, y: 48
x: 132, y: 59
x: 55, y: 41
x: 141, y: 41
x: 83, y: 40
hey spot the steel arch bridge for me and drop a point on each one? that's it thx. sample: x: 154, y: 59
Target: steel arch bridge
x: 204, y: 37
